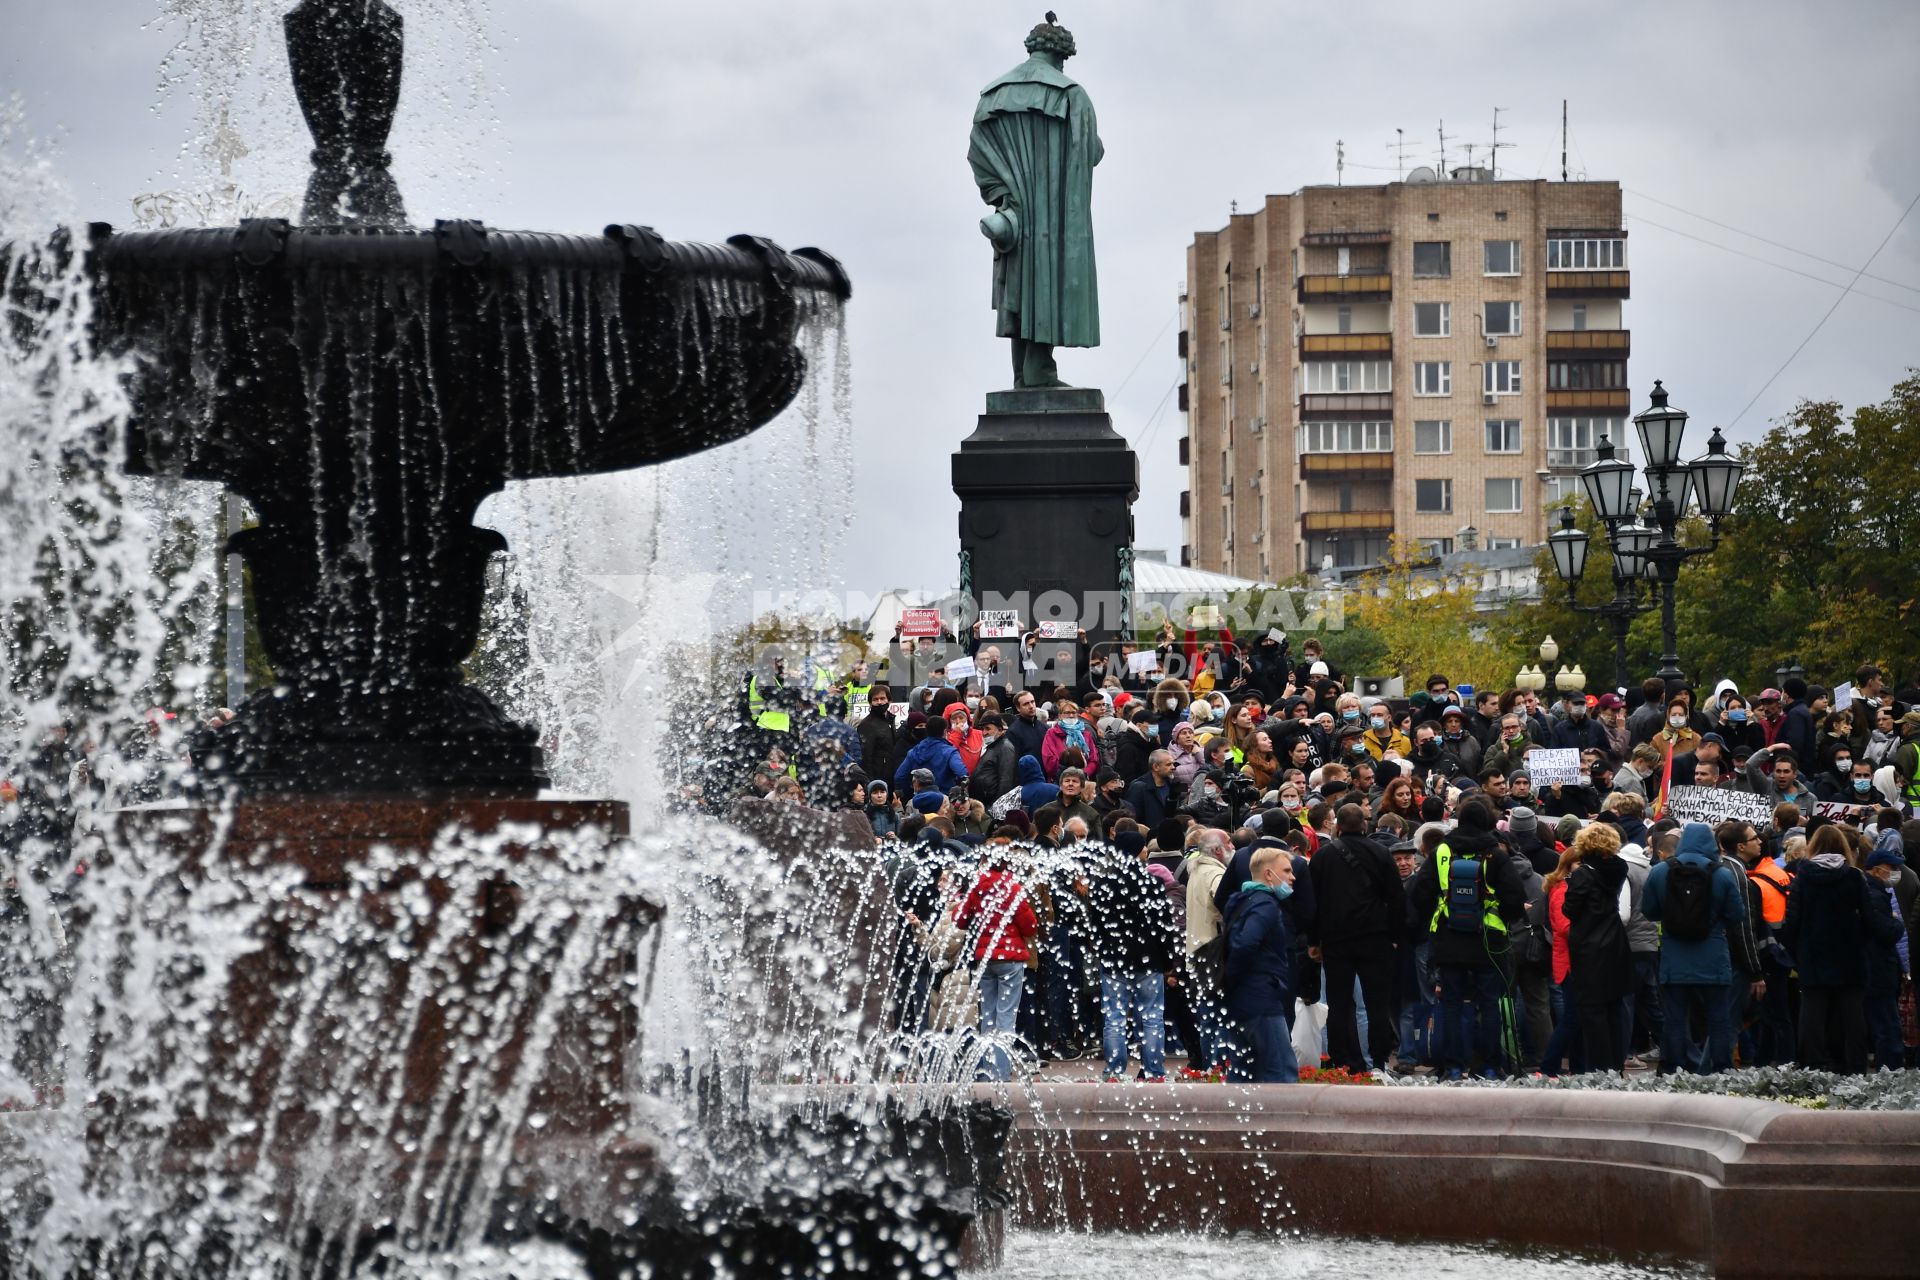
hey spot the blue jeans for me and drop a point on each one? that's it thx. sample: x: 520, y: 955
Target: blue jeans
x: 1209, y: 1019
x: 1271, y: 1041
x: 1134, y: 995
x: 1883, y: 1026
x: 1565, y: 1041
x: 1470, y: 1016
x: 1676, y: 1046
x: 1060, y: 977
x: 1000, y: 985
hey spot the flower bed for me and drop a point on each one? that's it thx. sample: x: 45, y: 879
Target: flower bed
x: 1820, y: 1090
x: 1334, y: 1075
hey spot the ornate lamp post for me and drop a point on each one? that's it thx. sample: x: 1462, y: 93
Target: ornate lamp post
x: 1652, y: 551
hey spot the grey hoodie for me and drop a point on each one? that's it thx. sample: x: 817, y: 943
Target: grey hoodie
x: 1643, y: 935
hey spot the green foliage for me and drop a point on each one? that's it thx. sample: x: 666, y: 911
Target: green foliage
x: 1820, y: 561
x: 1424, y: 623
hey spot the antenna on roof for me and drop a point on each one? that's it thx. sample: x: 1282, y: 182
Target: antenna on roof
x: 1497, y: 144
x: 1399, y: 148
x: 1443, y: 147
x: 1563, y: 139
x: 1339, y: 162
x: 1469, y: 155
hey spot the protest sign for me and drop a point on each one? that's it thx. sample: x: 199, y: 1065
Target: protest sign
x: 1143, y: 664
x: 1559, y: 764
x: 919, y: 622
x: 1059, y: 631
x: 960, y: 669
x: 999, y: 624
x: 1843, y: 696
x: 1715, y: 805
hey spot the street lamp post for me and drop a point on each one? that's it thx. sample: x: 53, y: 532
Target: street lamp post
x: 1652, y: 551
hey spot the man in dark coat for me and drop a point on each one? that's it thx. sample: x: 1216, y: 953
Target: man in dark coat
x: 1259, y: 970
x: 1469, y: 949
x: 1361, y: 909
x: 998, y: 769
x: 1026, y: 729
x: 1136, y: 945
x: 877, y: 734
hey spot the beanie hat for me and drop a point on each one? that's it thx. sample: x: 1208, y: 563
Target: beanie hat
x: 929, y: 801
x: 1567, y: 829
x: 1130, y: 842
x: 1523, y: 821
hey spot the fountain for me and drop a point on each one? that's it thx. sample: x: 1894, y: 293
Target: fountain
x: 373, y: 1000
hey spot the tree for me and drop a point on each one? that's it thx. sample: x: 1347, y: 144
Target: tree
x: 1426, y: 621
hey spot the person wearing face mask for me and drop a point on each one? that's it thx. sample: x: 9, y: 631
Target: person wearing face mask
x: 1458, y: 743
x: 1677, y: 735
x: 1069, y: 729
x: 1834, y: 743
x: 1578, y: 730
x: 1382, y: 737
x: 998, y: 768
x: 1888, y: 959
x: 1170, y: 700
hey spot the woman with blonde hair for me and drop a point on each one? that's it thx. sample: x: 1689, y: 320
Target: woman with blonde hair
x: 1567, y: 1042
x: 1601, y: 959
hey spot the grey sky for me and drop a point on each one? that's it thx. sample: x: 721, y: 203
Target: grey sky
x: 843, y: 123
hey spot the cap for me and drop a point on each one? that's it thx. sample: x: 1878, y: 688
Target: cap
x: 921, y: 777
x: 1714, y: 738
x: 1611, y: 702
x: 1453, y: 712
x: 1768, y: 695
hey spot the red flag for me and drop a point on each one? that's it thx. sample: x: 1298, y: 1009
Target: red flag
x: 1666, y: 782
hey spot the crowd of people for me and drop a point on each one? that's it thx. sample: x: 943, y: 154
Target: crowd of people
x: 1263, y: 871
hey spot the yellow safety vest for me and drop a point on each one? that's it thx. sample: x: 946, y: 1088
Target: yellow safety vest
x: 765, y: 717
x: 1490, y: 918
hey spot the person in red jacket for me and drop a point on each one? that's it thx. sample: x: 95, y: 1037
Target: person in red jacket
x: 1001, y: 923
x: 966, y: 739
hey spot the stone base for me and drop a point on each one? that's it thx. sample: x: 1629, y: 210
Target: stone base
x: 1757, y: 1190
x: 1046, y: 489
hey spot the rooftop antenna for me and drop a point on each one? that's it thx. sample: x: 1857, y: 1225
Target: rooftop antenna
x: 1339, y: 162
x: 1233, y: 206
x: 1469, y: 155
x: 1563, y: 139
x: 1399, y: 148
x: 1497, y: 144
x: 1443, y: 149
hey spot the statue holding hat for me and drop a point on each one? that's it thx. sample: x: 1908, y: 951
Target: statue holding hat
x: 1033, y: 148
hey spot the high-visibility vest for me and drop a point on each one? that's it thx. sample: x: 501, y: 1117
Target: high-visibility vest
x: 857, y: 695
x: 764, y: 716
x: 1490, y: 917
x: 1772, y: 883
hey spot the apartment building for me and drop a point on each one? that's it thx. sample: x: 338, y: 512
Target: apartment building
x: 1433, y: 358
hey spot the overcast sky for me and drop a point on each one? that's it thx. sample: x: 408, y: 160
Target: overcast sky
x: 843, y: 123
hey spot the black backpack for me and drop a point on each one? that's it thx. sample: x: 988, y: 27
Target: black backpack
x: 1688, y: 913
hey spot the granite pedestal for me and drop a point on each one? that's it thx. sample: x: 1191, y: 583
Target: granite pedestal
x: 1046, y: 489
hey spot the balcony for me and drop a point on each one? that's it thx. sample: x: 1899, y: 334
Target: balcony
x: 1589, y: 284
x: 1610, y: 400
x: 1186, y: 502
x: 1312, y: 522
x: 1326, y: 346
x: 1572, y: 344
x: 1186, y: 445
x: 1344, y: 466
x: 1185, y: 403
x: 1370, y: 287
x: 1344, y: 404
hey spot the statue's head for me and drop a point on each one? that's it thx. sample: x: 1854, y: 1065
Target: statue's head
x: 1051, y: 37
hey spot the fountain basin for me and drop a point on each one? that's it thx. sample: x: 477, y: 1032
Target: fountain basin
x: 1710, y: 1180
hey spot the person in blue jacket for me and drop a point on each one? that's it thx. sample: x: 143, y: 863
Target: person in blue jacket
x: 1695, y: 971
x: 937, y: 754
x: 1259, y: 975
x: 1035, y: 790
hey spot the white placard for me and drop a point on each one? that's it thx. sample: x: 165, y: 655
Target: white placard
x: 1558, y: 764
x: 1059, y: 631
x: 1843, y: 696
x: 1143, y: 664
x: 999, y: 624
x: 960, y: 669
x: 1713, y: 805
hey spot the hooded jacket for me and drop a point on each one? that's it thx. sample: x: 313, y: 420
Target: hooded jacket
x: 1035, y: 790
x: 1259, y: 978
x: 1830, y: 923
x: 935, y: 753
x: 877, y: 733
x: 998, y: 771
x: 1643, y: 935
x: 1704, y: 962
x: 1602, y: 962
x: 1360, y: 903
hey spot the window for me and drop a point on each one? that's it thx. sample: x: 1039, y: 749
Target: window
x: 1503, y: 435
x: 1433, y: 378
x: 1432, y: 319
x: 1503, y: 496
x: 1499, y: 215
x: 1571, y: 441
x: 1586, y: 375
x: 1433, y: 496
x: 1502, y: 378
x: 1433, y: 437
x: 1432, y: 259
x: 1344, y: 321
x: 1558, y: 489
x: 1343, y: 261
x: 1586, y: 255
x: 1323, y: 377
x: 1502, y: 257
x: 1502, y: 544
x: 1579, y: 317
x: 1346, y: 551
x: 1346, y: 437
x: 1501, y: 319
x: 1437, y: 546
x: 1433, y: 217
x: 1346, y: 497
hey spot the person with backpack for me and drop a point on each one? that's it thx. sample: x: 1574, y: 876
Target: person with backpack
x: 1471, y: 898
x: 1695, y: 901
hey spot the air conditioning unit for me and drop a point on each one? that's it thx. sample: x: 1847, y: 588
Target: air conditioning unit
x: 1492, y: 341
x: 1487, y: 397
x: 1226, y: 322
x: 1254, y: 367
x: 1259, y: 536
x: 1254, y: 483
x: 1257, y: 426
x: 1226, y: 378
x: 1253, y: 311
